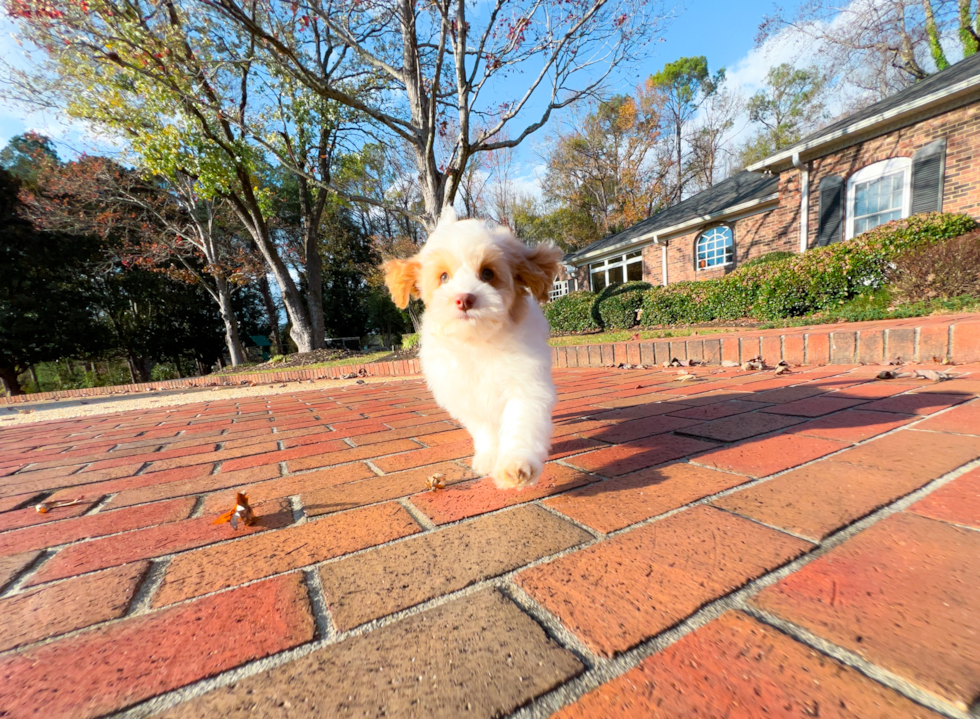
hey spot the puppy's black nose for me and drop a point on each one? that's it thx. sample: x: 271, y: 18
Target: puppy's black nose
x: 465, y: 302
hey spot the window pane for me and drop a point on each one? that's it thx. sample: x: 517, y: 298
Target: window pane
x: 631, y: 255
x: 598, y: 280
x: 878, y: 201
x: 634, y: 272
x: 616, y: 275
x: 715, y: 248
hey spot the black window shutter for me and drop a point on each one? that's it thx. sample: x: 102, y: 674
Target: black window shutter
x: 928, y: 169
x: 831, y: 210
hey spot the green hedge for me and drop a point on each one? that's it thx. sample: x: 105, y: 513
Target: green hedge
x: 572, y: 313
x: 617, y: 305
x: 775, y: 286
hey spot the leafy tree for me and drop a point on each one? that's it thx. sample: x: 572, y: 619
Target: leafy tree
x: 788, y: 107
x: 684, y: 85
x: 191, y: 100
x: 46, y: 293
x: 25, y: 155
x: 607, y: 167
x: 419, y: 75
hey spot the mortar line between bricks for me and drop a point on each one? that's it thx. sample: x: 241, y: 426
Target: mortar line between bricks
x: 97, y: 507
x: 596, y: 534
x: 325, y: 628
x: 152, y: 580
x: 848, y: 658
x: 553, y: 627
x: 299, y: 512
x: 417, y: 514
x: 14, y: 586
x: 570, y: 692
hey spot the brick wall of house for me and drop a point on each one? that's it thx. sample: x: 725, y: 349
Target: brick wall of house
x: 961, y: 186
x: 759, y: 234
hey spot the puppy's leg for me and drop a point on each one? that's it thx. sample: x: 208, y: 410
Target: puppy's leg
x: 485, y: 443
x: 525, y: 440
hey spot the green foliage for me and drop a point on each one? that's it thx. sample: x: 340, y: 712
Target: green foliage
x: 789, y: 105
x: 769, y: 257
x: 783, y: 285
x: 618, y: 304
x: 573, y: 313
x: 409, y: 341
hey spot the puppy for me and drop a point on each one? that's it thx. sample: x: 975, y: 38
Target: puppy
x: 484, y: 339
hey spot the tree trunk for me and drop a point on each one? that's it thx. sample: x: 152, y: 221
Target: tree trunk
x: 132, y: 369
x: 314, y: 290
x: 9, y: 377
x: 302, y: 330
x: 232, y: 340
x: 272, y: 312
x: 33, y: 372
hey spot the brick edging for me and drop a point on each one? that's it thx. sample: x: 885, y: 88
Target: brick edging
x: 375, y: 369
x: 946, y: 339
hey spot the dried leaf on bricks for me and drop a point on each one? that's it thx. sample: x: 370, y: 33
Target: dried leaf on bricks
x: 242, y: 512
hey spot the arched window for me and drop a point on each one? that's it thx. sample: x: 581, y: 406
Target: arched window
x: 715, y: 248
x: 877, y: 194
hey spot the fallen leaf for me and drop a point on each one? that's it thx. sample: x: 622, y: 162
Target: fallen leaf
x: 933, y: 375
x: 45, y: 507
x: 729, y: 363
x: 242, y: 512
x: 435, y: 482
x: 887, y: 374
x: 783, y: 369
x: 685, y: 377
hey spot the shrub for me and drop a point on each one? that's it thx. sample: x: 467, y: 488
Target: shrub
x: 765, y: 259
x: 780, y: 285
x: 943, y: 271
x: 617, y: 305
x: 573, y: 313
x: 409, y: 341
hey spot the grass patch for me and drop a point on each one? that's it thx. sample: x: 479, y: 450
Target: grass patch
x: 362, y: 359
x: 627, y: 335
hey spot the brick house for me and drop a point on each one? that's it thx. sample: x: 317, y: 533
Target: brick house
x: 916, y: 151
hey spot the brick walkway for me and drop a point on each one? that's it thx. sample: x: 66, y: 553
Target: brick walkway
x: 740, y: 545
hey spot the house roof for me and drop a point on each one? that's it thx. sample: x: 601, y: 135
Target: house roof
x: 737, y: 192
x: 933, y: 93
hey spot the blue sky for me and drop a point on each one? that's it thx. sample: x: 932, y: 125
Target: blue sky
x: 721, y: 30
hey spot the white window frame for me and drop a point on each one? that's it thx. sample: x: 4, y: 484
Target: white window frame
x: 876, y: 172
x: 558, y: 289
x: 697, y: 242
x: 630, y: 258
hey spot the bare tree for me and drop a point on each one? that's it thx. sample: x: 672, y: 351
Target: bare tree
x: 710, y: 154
x: 879, y: 46
x: 441, y: 65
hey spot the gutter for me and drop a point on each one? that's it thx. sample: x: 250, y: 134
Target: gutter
x: 659, y: 236
x: 946, y: 94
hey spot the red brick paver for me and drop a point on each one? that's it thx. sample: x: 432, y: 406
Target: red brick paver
x: 723, y: 537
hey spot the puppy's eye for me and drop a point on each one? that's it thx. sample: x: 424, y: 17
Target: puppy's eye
x: 443, y: 278
x: 487, y: 275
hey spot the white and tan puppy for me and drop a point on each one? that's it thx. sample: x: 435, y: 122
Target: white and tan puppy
x: 484, y: 339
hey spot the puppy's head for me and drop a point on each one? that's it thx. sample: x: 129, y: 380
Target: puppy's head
x: 473, y: 279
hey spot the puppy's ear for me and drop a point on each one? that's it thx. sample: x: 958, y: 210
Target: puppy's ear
x: 537, y: 268
x: 402, y: 277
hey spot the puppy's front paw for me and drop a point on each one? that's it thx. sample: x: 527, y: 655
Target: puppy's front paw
x: 483, y: 463
x: 515, y: 471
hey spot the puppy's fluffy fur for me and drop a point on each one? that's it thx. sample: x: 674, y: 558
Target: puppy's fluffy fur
x: 484, y: 339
